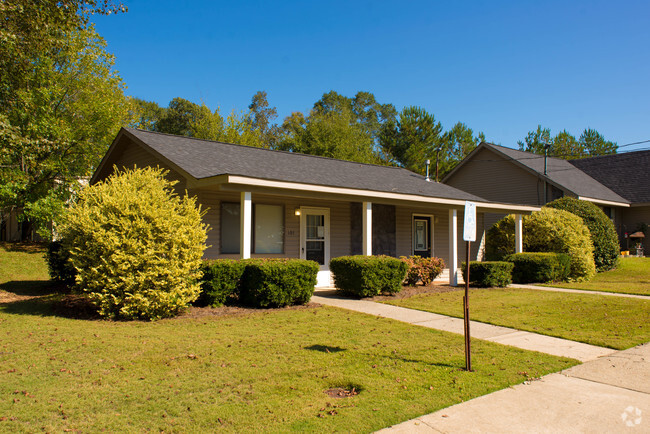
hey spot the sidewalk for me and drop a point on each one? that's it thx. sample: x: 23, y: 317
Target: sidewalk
x: 579, y: 291
x: 611, y: 394
x: 478, y: 330
x: 608, y: 393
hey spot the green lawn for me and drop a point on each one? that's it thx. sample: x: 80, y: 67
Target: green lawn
x: 608, y: 321
x: 245, y: 371
x: 22, y: 262
x: 631, y: 277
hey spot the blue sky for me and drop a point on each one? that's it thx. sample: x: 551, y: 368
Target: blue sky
x: 501, y: 67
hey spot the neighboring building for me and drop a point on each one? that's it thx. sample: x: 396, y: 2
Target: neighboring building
x: 627, y: 174
x: 263, y: 203
x: 496, y: 173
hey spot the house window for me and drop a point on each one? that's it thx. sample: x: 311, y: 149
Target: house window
x: 230, y: 224
x: 269, y: 229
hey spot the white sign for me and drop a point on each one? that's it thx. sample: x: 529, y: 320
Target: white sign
x: 469, y: 227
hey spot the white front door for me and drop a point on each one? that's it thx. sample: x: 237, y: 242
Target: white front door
x: 315, y: 240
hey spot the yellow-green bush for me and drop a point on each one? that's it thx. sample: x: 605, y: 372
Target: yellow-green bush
x: 136, y: 245
x: 548, y: 230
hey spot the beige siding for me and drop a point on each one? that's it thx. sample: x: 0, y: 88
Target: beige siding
x: 492, y: 177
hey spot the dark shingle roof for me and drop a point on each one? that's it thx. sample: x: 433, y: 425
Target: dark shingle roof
x: 627, y: 174
x: 563, y: 173
x: 204, y: 159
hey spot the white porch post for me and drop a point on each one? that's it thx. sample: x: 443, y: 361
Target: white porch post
x: 519, y: 230
x: 246, y: 219
x: 453, y: 247
x: 367, y: 228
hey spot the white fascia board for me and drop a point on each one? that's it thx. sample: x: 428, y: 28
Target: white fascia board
x: 485, y: 206
x: 604, y: 202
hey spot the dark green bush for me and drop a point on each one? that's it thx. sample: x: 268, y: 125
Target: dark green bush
x: 489, y: 274
x: 421, y: 269
x: 277, y: 282
x: 58, y: 264
x: 539, y: 267
x: 367, y: 276
x: 601, y: 228
x: 220, y: 281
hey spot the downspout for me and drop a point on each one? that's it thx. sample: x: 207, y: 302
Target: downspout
x: 546, y: 147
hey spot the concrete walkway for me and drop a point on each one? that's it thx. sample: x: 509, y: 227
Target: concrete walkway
x: 502, y: 335
x: 611, y: 394
x: 579, y: 291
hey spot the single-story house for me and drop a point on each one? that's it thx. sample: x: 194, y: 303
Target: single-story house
x: 619, y: 184
x: 264, y: 203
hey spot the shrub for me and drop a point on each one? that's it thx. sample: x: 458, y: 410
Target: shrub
x: 367, y: 276
x: 277, y: 282
x: 136, y: 245
x: 539, y: 267
x: 488, y: 274
x: 220, y: 281
x: 421, y: 269
x: 58, y: 264
x: 548, y: 230
x: 601, y: 228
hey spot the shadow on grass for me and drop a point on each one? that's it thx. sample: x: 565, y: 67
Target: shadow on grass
x: 23, y: 247
x: 33, y: 288
x: 53, y: 304
x: 325, y: 349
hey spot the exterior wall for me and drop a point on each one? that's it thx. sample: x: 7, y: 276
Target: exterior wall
x: 491, y: 176
x: 630, y: 218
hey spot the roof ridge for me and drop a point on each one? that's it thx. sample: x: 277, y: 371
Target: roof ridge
x: 176, y: 136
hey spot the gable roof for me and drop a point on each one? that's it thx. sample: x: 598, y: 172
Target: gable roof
x: 627, y: 174
x: 204, y: 159
x: 560, y: 173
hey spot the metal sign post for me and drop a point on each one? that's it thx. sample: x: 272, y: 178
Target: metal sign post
x: 469, y: 235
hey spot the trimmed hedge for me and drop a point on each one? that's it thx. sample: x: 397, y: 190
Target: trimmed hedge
x: 367, y: 276
x: 548, y: 230
x: 220, y: 282
x: 488, y: 274
x: 421, y: 269
x: 277, y: 282
x: 601, y: 228
x: 539, y: 267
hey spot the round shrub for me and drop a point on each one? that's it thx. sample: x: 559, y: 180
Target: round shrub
x: 136, y: 245
x: 423, y: 270
x: 367, y: 276
x: 548, y: 230
x: 601, y: 228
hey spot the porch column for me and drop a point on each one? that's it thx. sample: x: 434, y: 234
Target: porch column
x: 519, y: 230
x: 246, y: 220
x: 366, y: 211
x: 453, y: 247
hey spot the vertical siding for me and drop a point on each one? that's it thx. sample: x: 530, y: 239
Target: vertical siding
x: 491, y: 176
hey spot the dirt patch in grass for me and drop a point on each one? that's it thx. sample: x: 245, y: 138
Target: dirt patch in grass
x: 340, y: 392
x: 203, y: 312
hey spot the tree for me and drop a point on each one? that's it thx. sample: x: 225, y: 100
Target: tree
x: 61, y: 104
x: 262, y: 114
x: 412, y: 138
x: 179, y: 117
x: 564, y: 145
x: 595, y: 144
x: 458, y: 143
x: 145, y: 114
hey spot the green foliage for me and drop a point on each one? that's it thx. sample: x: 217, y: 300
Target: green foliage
x: 61, y: 103
x: 277, y: 282
x: 500, y: 240
x: 136, y: 245
x: 488, y: 274
x: 549, y: 230
x: 59, y: 265
x: 421, y: 269
x: 601, y: 228
x: 220, y: 281
x: 539, y: 267
x: 367, y: 276
x: 564, y: 145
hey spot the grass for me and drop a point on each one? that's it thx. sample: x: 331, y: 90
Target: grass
x: 22, y: 262
x: 259, y: 371
x: 631, y: 277
x: 608, y: 321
